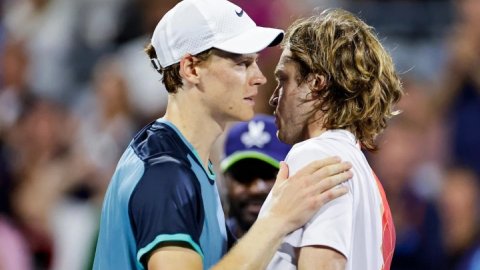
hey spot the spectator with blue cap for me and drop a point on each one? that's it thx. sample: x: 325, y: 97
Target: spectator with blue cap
x: 252, y: 159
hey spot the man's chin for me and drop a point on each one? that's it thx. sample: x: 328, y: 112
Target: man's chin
x: 250, y: 215
x: 253, y: 209
x: 246, y: 213
x: 247, y: 222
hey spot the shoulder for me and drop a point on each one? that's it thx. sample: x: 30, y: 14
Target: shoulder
x: 157, y: 139
x: 313, y: 145
x: 167, y: 174
x: 166, y: 185
x: 330, y: 143
x: 305, y: 152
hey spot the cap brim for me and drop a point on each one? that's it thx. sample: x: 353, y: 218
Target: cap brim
x: 252, y: 40
x: 237, y: 156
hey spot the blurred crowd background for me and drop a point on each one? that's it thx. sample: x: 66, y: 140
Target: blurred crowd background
x: 75, y: 85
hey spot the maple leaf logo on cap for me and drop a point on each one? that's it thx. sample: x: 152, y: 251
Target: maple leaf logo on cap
x: 256, y: 135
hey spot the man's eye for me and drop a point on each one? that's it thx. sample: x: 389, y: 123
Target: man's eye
x: 280, y: 80
x: 246, y: 63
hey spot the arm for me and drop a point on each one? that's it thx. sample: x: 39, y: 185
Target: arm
x: 320, y: 257
x: 295, y: 200
x: 174, y: 257
x: 167, y: 218
x: 325, y: 241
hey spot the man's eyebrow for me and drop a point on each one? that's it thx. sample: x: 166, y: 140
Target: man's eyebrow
x: 243, y: 57
x: 250, y: 57
x: 289, y: 59
x: 279, y: 70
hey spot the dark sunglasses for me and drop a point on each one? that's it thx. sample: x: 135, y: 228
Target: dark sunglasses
x: 247, y: 170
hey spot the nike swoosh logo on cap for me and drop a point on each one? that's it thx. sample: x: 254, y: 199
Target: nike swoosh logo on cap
x: 239, y: 13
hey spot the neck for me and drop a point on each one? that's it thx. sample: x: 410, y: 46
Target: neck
x: 312, y: 133
x: 314, y: 127
x: 194, y: 122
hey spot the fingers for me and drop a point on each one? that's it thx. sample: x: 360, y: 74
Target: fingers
x: 330, y: 195
x: 316, y: 165
x: 282, y: 172
x: 332, y: 169
x: 333, y: 181
x: 328, y: 189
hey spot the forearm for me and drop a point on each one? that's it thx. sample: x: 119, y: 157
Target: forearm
x: 256, y: 248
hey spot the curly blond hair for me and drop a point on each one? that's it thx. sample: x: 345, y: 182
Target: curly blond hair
x: 362, y: 85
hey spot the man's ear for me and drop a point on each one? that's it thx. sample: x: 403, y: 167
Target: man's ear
x: 188, y: 69
x: 317, y: 84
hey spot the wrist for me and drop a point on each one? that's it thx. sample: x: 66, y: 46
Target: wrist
x: 278, y: 226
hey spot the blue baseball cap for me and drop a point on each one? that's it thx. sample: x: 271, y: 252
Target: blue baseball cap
x: 255, y: 139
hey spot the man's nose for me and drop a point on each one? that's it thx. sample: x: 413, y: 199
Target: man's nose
x: 273, y: 101
x: 259, y: 186
x: 258, y: 77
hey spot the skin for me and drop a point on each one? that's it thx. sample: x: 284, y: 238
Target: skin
x: 230, y: 86
x: 246, y: 198
x: 289, y: 94
x: 293, y: 112
x: 213, y: 93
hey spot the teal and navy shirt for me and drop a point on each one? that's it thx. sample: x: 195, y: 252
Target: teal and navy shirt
x: 160, y: 192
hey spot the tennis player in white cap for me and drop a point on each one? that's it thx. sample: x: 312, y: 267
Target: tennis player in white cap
x: 162, y: 209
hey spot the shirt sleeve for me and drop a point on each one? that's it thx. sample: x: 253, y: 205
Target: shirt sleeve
x: 166, y: 206
x: 331, y: 226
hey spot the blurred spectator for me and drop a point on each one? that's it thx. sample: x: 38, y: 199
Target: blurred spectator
x: 250, y: 166
x: 14, y: 250
x: 14, y: 254
x: 46, y: 27
x: 460, y: 205
x: 38, y: 147
x: 45, y: 173
x: 97, y: 23
x: 105, y: 125
x: 139, y: 17
x: 2, y: 32
x: 147, y: 95
x: 6, y: 180
x: 458, y: 97
x: 14, y: 91
x: 430, y: 138
x: 416, y: 219
x: 101, y: 22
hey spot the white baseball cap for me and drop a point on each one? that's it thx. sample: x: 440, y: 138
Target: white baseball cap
x: 194, y: 26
